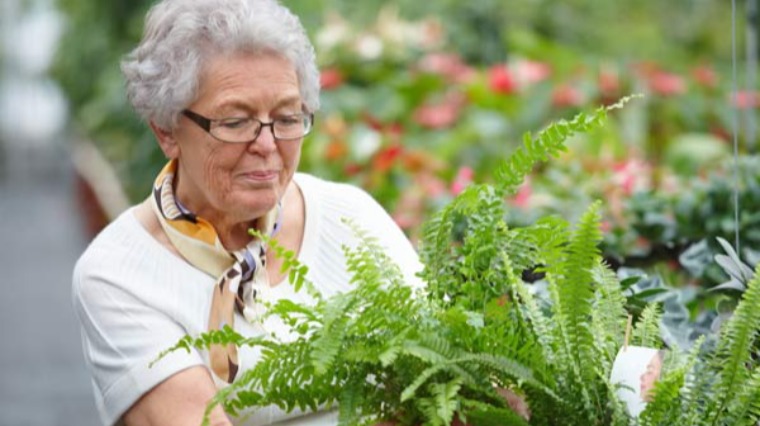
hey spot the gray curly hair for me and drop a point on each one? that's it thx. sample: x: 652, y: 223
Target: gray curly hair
x: 163, y: 72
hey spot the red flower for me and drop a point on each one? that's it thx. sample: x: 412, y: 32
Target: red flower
x: 386, y: 157
x: 566, y: 96
x: 666, y: 84
x: 352, y: 169
x: 500, y: 80
x: 330, y: 78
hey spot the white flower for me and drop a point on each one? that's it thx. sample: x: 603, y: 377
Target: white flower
x: 369, y: 46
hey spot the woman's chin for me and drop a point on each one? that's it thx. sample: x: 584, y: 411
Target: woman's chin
x: 257, y: 203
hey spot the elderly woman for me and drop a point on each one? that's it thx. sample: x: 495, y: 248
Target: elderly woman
x: 229, y: 88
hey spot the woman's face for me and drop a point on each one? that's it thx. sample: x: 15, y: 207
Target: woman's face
x: 238, y: 182
x: 650, y: 376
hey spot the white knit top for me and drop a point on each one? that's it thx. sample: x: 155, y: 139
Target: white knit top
x: 134, y: 298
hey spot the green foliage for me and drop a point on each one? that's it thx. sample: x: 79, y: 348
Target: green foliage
x: 438, y: 355
x: 735, y: 370
x: 647, y: 330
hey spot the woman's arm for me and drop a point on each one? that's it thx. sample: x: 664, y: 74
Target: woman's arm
x: 179, y: 400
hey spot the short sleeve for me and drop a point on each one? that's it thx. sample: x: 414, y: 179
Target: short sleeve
x: 121, y: 334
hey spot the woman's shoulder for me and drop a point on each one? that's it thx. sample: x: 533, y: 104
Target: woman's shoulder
x: 119, y: 253
x: 118, y: 236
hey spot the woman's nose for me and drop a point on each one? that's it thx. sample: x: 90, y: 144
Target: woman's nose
x: 265, y: 142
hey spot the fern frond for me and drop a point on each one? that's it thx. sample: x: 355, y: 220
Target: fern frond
x: 571, y: 287
x: 670, y: 393
x: 618, y: 413
x: 532, y: 314
x: 647, y: 330
x: 410, y: 391
x: 481, y: 414
x: 349, y: 411
x: 692, y: 403
x: 745, y: 406
x: 665, y: 407
x: 608, y: 319
x: 446, y: 403
x: 428, y: 408
x: 734, y: 351
x: 205, y: 340
x: 329, y: 338
x: 575, y: 292
x: 429, y: 349
x: 548, y: 143
x: 549, y: 235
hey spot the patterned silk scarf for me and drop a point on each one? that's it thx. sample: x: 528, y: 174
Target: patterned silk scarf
x: 242, y: 282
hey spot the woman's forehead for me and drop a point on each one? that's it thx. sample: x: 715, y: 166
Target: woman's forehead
x: 249, y: 81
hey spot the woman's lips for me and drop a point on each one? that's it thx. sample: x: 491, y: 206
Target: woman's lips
x: 261, y: 176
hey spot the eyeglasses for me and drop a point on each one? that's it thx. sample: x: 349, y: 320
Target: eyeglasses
x: 248, y: 129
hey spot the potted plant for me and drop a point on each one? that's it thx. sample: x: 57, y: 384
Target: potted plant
x: 450, y: 352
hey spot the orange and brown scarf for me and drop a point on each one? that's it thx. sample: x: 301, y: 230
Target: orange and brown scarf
x: 242, y: 282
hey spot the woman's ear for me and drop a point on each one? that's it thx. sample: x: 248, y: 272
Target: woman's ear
x: 166, y: 141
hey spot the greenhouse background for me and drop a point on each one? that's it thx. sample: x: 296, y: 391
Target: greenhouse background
x: 419, y: 99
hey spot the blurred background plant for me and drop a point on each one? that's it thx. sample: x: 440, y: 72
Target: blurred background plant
x: 421, y: 98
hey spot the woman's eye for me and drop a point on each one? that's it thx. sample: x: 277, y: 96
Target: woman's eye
x: 289, y: 121
x: 234, y: 123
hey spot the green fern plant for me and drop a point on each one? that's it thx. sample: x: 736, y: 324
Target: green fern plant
x: 383, y: 351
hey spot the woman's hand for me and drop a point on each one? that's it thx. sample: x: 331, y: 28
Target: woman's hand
x: 516, y: 402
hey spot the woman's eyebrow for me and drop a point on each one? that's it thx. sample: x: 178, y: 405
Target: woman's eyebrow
x: 238, y: 104
x: 288, y: 101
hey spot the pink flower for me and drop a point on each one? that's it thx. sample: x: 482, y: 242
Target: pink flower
x: 436, y: 116
x: 609, y: 82
x: 566, y: 95
x: 532, y: 72
x: 448, y: 65
x: 745, y: 99
x: 461, y: 180
x: 440, y: 115
x: 631, y: 175
x: 433, y: 186
x: 666, y: 84
x: 330, y: 78
x: 500, y: 80
x: 523, y: 196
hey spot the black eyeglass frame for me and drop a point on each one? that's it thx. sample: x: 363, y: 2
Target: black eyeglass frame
x: 205, y: 124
